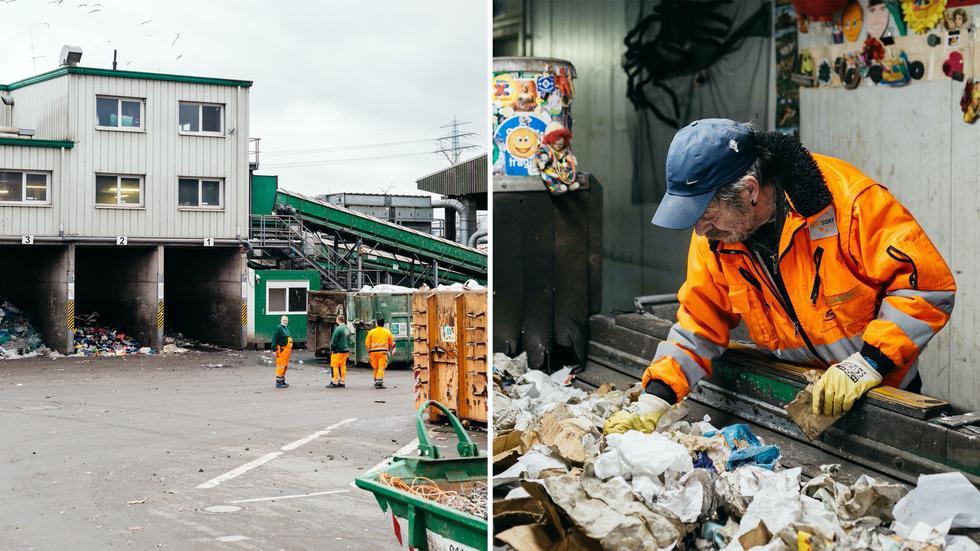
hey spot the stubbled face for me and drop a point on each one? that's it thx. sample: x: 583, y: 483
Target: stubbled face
x: 877, y: 20
x: 522, y: 142
x: 851, y: 21
x: 728, y: 222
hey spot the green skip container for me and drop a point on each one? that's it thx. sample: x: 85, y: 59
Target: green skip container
x: 419, y: 523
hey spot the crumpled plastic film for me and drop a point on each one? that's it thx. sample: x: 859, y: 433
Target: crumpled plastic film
x: 18, y: 337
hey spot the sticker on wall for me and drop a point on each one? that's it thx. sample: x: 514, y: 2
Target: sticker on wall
x: 876, y: 19
x: 527, y: 97
x: 518, y: 138
x: 546, y: 84
x: 851, y: 21
x: 448, y: 333
x: 399, y: 329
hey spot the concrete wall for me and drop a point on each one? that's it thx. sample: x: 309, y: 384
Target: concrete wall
x: 121, y: 283
x: 913, y: 140
x: 203, y: 290
x: 39, y: 287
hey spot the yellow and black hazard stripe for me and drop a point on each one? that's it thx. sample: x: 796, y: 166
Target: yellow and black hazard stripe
x: 244, y: 312
x: 71, y: 316
x: 160, y: 314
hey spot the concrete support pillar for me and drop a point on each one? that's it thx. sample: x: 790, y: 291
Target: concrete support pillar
x: 66, y: 342
x: 243, y: 272
x: 158, y: 334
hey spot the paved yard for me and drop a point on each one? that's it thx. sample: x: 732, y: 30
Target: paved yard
x: 163, y: 452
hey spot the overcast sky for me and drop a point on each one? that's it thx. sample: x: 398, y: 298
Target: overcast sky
x: 330, y: 76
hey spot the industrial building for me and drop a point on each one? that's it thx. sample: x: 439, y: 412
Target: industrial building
x: 125, y: 193
x: 411, y: 211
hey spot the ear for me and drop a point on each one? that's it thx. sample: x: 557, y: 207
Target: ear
x: 752, y: 187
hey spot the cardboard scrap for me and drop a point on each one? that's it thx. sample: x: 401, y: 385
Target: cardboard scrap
x: 529, y: 537
x: 801, y: 412
x: 757, y: 536
x: 565, y: 436
x: 866, y: 497
x: 507, y: 447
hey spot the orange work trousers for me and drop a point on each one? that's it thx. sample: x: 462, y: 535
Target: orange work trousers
x: 282, y: 359
x: 379, y: 361
x: 338, y: 366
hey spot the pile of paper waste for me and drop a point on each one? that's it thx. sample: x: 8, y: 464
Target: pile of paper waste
x: 95, y: 339
x: 559, y: 483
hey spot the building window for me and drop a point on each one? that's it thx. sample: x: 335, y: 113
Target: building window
x: 24, y: 187
x: 118, y: 190
x: 200, y: 193
x: 201, y: 118
x: 119, y: 113
x: 286, y: 297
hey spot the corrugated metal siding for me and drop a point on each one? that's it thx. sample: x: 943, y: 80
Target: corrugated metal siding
x: 913, y: 140
x: 33, y: 220
x: 463, y: 179
x: 161, y: 155
x: 43, y: 107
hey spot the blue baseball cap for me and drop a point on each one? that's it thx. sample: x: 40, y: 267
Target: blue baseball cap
x: 703, y: 156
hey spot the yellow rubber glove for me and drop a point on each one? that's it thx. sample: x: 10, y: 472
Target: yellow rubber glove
x: 642, y: 416
x: 843, y: 383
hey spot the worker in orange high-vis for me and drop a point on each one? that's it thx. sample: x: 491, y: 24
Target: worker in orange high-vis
x: 822, y: 264
x: 282, y: 344
x: 380, y: 344
x: 339, y: 350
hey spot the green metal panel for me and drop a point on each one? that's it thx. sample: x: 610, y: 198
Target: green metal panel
x: 122, y: 74
x: 263, y: 193
x: 395, y: 309
x: 265, y: 324
x: 25, y: 142
x: 324, y: 215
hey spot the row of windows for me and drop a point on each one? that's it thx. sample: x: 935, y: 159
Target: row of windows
x: 118, y: 113
x: 32, y: 188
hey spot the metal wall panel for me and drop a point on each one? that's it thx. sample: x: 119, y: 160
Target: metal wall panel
x: 159, y: 154
x: 17, y: 220
x: 913, y: 140
x: 43, y: 107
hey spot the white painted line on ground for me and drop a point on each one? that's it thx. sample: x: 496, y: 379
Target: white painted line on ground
x: 230, y: 539
x: 301, y: 441
x: 289, y: 497
x: 315, y: 435
x: 413, y: 445
x: 240, y: 470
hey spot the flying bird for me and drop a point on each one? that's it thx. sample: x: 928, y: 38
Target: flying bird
x: 8, y: 1
x: 175, y: 39
x: 145, y: 22
x: 56, y: 1
x: 93, y: 11
x: 45, y: 23
x: 180, y: 56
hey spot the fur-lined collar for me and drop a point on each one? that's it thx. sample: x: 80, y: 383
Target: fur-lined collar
x: 796, y: 173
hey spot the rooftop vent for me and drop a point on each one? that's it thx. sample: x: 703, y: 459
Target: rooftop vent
x: 70, y: 55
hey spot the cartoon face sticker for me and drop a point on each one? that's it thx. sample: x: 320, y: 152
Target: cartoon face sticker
x: 503, y: 90
x: 522, y: 142
x: 877, y: 19
x: 851, y: 21
x: 806, y: 62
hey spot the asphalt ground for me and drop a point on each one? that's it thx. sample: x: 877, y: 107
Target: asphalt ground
x: 165, y: 452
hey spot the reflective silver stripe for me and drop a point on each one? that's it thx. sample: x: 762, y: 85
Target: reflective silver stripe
x: 692, y: 371
x: 692, y: 341
x: 915, y: 329
x: 940, y: 299
x: 910, y: 374
x: 841, y: 348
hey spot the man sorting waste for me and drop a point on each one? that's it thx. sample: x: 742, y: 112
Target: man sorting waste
x: 825, y: 267
x: 282, y: 344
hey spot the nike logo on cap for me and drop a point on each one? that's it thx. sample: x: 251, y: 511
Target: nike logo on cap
x: 691, y: 182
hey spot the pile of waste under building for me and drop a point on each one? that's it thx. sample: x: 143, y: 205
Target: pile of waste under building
x: 18, y: 337
x: 560, y: 483
x: 93, y: 338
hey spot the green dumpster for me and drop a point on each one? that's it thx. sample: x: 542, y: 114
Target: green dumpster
x: 419, y: 523
x: 396, y: 309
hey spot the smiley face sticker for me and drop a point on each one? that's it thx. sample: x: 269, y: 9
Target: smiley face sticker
x: 518, y: 138
x: 503, y: 90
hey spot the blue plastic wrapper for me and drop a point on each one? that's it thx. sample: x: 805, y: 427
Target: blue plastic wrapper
x: 702, y: 461
x: 755, y: 453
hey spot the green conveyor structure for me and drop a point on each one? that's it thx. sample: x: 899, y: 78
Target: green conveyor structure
x: 351, y: 249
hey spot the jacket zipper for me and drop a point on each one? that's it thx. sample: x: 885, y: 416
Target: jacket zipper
x: 817, y: 257
x: 900, y: 256
x: 782, y: 295
x: 750, y: 278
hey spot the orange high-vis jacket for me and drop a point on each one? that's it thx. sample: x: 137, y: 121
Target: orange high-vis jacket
x: 379, y: 339
x: 858, y: 271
